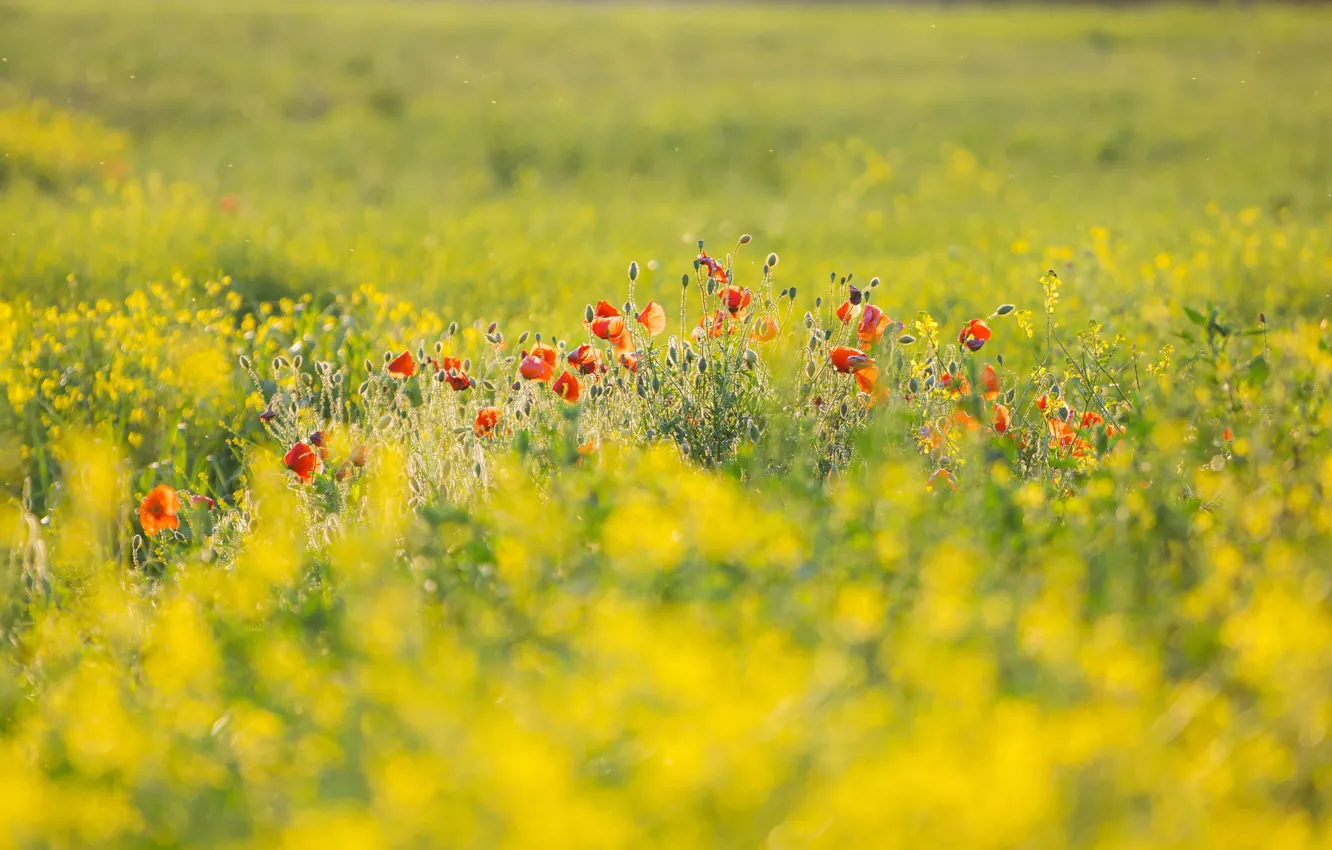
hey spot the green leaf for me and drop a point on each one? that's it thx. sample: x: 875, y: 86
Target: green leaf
x: 1259, y: 370
x: 1195, y: 317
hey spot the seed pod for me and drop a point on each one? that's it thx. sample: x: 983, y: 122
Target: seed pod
x: 1004, y: 310
x: 633, y: 272
x: 793, y: 293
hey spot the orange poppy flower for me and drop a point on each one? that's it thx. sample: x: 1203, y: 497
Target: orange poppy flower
x: 873, y: 323
x: 1043, y: 402
x: 1001, y: 419
x: 942, y: 476
x: 716, y: 324
x: 765, y: 329
x: 608, y: 327
x: 1227, y: 435
x: 586, y: 359
x: 568, y: 387
x: 539, y: 363
x: 304, y: 461
x: 1091, y: 419
x: 715, y: 269
x: 853, y: 361
x: 158, y: 510
x: 735, y: 299
x: 963, y: 387
x: 975, y: 334
x: 629, y: 360
x: 965, y: 421
x: 317, y: 440
x: 202, y: 502
x: 990, y: 384
x: 454, y: 375
x: 588, y: 448
x: 402, y: 366
x: 653, y: 318
x: 486, y: 420
x: 359, y: 456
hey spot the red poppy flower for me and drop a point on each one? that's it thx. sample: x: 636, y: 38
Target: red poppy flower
x: 629, y: 360
x: 402, y: 366
x: 568, y: 387
x: 317, y: 439
x: 853, y: 361
x: 539, y: 363
x: 454, y: 374
x: 653, y: 318
x: 487, y: 418
x: 736, y: 300
x: 715, y: 270
x: 765, y: 329
x: 1227, y: 435
x: 1043, y: 402
x: 990, y: 384
x: 846, y: 311
x: 1001, y: 419
x: 586, y: 359
x: 203, y: 502
x: 873, y: 323
x: 304, y: 461
x: 942, y: 477
x: 588, y: 448
x: 975, y: 333
x: 1091, y: 419
x: 158, y: 510
x: 963, y: 387
x: 965, y: 421
x: 608, y: 327
x: 268, y: 416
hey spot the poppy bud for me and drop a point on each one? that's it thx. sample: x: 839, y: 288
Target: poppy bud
x: 337, y: 379
x: 536, y: 337
x: 420, y: 353
x: 712, y: 286
x: 845, y: 409
x: 1262, y: 318
x: 702, y: 365
x: 522, y: 337
x: 945, y: 460
x: 1004, y: 309
x: 388, y: 356
x: 906, y: 339
x: 809, y: 370
x: 453, y: 328
x: 369, y: 367
x: 440, y: 376
x: 633, y: 272
x: 952, y: 367
x: 588, y: 314
x: 809, y: 319
x: 361, y: 390
x: 516, y: 385
x: 751, y: 356
x: 855, y: 296
x: 245, y: 362
x: 772, y: 260
x: 492, y: 327
x: 684, y: 278
x: 476, y: 469
x: 818, y: 302
x: 487, y: 385
x: 277, y: 363
x: 913, y: 385
x: 754, y: 432
x: 766, y: 270
x: 1055, y: 391
x: 384, y: 422
x: 874, y: 281
x: 930, y: 382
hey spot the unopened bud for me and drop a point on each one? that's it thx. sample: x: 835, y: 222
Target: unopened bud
x: 772, y: 260
x: 745, y: 239
x: 633, y: 272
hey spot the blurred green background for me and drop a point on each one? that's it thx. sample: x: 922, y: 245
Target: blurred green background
x: 505, y: 160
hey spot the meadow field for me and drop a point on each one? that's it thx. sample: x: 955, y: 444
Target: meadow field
x: 432, y: 425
